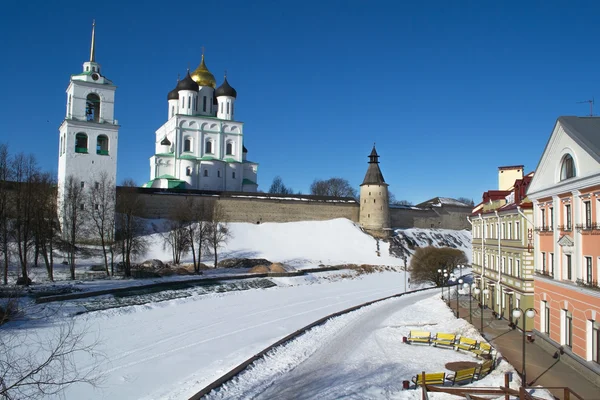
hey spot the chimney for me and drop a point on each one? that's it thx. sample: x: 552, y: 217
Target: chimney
x: 508, y: 175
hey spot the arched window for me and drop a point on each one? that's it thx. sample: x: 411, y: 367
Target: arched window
x: 218, y: 174
x: 102, y: 145
x: 204, y: 104
x: 81, y: 143
x: 187, y: 144
x: 188, y: 171
x: 92, y: 107
x: 205, y: 172
x: 227, y: 108
x: 229, y: 148
x: 567, y: 169
x: 209, y: 147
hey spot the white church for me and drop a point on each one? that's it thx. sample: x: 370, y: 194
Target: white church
x: 201, y: 146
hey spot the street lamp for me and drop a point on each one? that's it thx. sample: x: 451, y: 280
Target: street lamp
x: 445, y: 282
x: 470, y: 287
x: 460, y: 282
x: 440, y: 271
x: 529, y: 313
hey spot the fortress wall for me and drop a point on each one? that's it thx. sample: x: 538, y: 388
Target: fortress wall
x: 258, y: 208
x: 251, y: 209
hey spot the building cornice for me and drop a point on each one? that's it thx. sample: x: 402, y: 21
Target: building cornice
x: 568, y: 286
x: 569, y: 185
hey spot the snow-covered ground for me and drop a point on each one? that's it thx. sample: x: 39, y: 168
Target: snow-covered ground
x: 171, y: 349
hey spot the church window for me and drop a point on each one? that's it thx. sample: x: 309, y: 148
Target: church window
x: 229, y: 149
x: 218, y: 174
x: 188, y: 171
x: 187, y: 144
x: 233, y: 175
x: 227, y: 108
x: 92, y: 107
x: 81, y: 143
x: 567, y: 169
x: 189, y: 101
x: 87, y: 68
x: 204, y: 104
x: 209, y: 146
x: 221, y: 107
x: 102, y: 145
x: 205, y: 172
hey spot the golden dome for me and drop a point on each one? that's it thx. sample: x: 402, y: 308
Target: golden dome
x: 202, y: 75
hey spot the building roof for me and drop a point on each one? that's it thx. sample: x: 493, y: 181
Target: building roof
x: 187, y: 83
x: 225, y: 90
x: 373, y: 175
x: 584, y: 129
x: 442, y: 201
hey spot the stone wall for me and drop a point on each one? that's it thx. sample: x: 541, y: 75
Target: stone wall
x: 446, y: 217
x: 250, y: 207
x: 264, y: 207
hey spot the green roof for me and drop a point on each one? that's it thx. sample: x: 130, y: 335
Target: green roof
x: 248, y: 182
x: 188, y: 157
x: 231, y: 160
x: 208, y: 158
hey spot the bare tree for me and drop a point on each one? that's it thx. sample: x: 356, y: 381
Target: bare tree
x: 35, y: 366
x: 336, y: 187
x: 22, y: 230
x: 198, y: 213
x: 73, y: 214
x: 100, y: 200
x: 175, y: 235
x: 5, y: 177
x: 129, y: 229
x: 218, y: 230
x: 278, y: 187
x: 467, y: 201
x: 46, y: 222
x: 426, y: 261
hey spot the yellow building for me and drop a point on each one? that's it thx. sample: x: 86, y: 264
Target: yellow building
x: 502, y: 241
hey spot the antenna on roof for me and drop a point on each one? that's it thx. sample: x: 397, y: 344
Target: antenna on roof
x: 591, y: 105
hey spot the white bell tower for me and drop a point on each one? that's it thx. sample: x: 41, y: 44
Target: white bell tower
x: 89, y: 133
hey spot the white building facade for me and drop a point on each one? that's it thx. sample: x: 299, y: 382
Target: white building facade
x: 88, y: 139
x: 201, y: 146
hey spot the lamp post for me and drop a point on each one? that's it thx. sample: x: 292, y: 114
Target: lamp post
x: 460, y: 282
x: 442, y: 275
x: 470, y: 287
x: 445, y: 282
x: 529, y: 313
x: 450, y: 278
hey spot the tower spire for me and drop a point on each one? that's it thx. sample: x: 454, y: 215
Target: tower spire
x: 93, y: 48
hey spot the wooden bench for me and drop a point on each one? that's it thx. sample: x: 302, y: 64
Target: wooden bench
x: 419, y: 337
x: 435, y: 378
x: 465, y: 343
x: 444, y: 339
x: 483, y: 348
x: 463, y: 375
x: 485, y: 368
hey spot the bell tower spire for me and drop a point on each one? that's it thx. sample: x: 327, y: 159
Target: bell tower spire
x: 93, y: 48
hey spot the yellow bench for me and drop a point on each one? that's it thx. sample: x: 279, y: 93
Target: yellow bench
x: 419, y: 337
x: 485, y: 368
x: 436, y: 378
x: 483, y: 348
x: 465, y: 343
x: 463, y: 375
x: 444, y: 339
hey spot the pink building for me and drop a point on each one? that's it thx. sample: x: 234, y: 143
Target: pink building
x: 565, y: 192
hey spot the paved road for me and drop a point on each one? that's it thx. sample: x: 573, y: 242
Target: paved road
x: 342, y: 355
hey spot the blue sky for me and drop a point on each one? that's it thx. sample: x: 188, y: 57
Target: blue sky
x: 449, y: 91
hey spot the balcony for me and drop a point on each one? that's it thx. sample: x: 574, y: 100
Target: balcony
x: 544, y: 230
x: 547, y: 274
x: 82, y: 150
x: 102, y: 152
x: 588, y: 227
x: 565, y: 228
x: 588, y: 284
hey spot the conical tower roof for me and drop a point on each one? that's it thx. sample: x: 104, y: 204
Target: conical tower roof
x: 202, y: 75
x: 373, y: 175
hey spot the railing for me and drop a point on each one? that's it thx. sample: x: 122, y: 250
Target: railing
x: 544, y: 229
x: 544, y: 273
x: 588, y: 284
x: 81, y: 150
x: 565, y: 228
x: 102, y: 152
x: 588, y: 226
